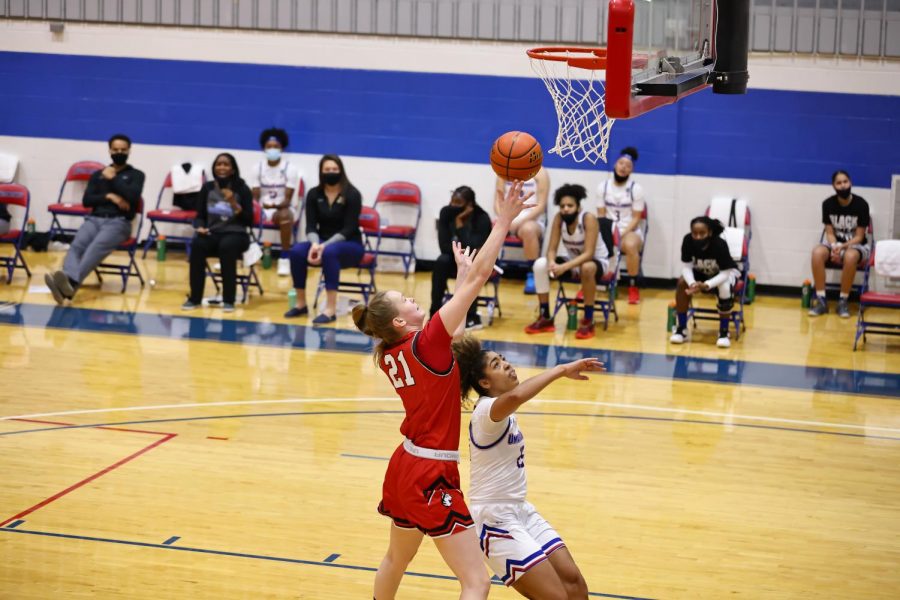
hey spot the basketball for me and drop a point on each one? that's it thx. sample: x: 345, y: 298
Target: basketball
x: 516, y: 155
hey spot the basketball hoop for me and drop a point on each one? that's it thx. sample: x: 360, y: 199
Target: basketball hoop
x: 571, y: 75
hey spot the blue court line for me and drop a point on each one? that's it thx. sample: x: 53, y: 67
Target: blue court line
x: 520, y: 412
x: 171, y: 540
x: 331, y: 558
x: 15, y: 524
x: 364, y: 456
x: 641, y: 364
x: 282, y: 559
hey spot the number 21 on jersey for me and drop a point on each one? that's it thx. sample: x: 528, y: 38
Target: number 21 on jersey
x: 393, y: 369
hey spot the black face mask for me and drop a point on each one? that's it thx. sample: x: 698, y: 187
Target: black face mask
x: 620, y: 178
x: 331, y: 178
x: 843, y: 194
x: 700, y: 244
x: 569, y: 219
x: 223, y: 182
x: 455, y: 211
x: 119, y: 158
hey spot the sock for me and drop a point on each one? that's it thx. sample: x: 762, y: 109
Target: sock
x: 632, y: 282
x: 845, y: 296
x: 723, y: 326
x: 588, y: 313
x: 820, y: 294
x: 545, y: 310
x: 682, y: 321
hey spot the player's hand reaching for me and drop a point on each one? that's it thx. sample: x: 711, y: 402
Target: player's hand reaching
x: 509, y: 207
x: 463, y: 258
x: 576, y: 369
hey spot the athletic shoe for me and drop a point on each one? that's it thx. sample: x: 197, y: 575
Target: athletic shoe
x: 57, y: 293
x: 634, y: 295
x: 188, y: 305
x: 529, y: 284
x: 585, y: 330
x: 324, y: 319
x: 542, y: 325
x: 474, y: 322
x: 64, y: 285
x: 679, y: 337
x: 843, y: 308
x: 228, y: 307
x: 819, y: 307
x: 724, y: 342
x: 579, y: 297
x: 284, y: 267
x: 297, y: 312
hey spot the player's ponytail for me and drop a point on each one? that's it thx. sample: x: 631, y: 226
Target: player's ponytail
x: 470, y: 357
x: 376, y: 321
x: 714, y: 225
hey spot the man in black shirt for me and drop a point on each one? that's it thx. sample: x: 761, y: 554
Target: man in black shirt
x: 844, y: 243
x: 113, y: 195
x: 465, y: 222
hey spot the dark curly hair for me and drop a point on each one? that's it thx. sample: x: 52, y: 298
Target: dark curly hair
x: 470, y: 357
x: 569, y: 189
x: 273, y: 132
x: 631, y: 152
x: 714, y: 225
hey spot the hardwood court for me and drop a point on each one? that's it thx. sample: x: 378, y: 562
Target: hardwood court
x: 152, y: 459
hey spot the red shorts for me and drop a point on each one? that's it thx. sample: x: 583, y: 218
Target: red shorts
x: 424, y: 494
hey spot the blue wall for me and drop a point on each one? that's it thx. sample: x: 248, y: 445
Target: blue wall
x: 768, y: 135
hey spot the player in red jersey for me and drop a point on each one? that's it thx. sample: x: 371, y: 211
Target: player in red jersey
x: 421, y: 492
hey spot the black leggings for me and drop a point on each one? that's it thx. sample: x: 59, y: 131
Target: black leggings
x: 228, y: 247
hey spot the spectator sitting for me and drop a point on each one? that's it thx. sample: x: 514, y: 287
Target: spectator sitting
x: 531, y: 223
x: 113, y: 194
x: 224, y: 214
x: 333, y: 237
x: 465, y: 222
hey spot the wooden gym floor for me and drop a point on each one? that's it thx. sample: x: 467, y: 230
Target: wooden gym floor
x: 149, y: 453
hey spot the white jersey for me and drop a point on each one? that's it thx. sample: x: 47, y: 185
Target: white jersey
x: 272, y: 181
x: 622, y: 202
x: 498, y: 457
x: 529, y: 186
x: 574, y: 242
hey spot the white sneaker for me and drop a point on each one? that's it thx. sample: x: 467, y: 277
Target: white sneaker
x: 724, y: 342
x: 284, y: 267
x: 678, y: 337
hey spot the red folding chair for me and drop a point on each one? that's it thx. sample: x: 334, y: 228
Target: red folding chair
x: 167, y: 212
x: 370, y: 227
x: 398, y: 195
x: 130, y: 246
x: 13, y: 194
x: 250, y: 279
x: 876, y: 299
x: 76, y: 177
x: 268, y: 225
x: 608, y: 283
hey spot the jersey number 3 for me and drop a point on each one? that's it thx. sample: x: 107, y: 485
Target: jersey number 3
x: 393, y: 369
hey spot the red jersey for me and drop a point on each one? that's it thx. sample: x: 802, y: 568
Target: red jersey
x: 422, y: 370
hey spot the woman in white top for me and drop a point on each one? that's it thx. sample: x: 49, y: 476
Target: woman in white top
x: 621, y: 199
x: 273, y: 182
x: 520, y: 546
x: 531, y: 224
x: 588, y: 246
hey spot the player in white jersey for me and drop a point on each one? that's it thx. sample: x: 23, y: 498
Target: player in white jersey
x: 588, y: 243
x: 621, y: 199
x: 520, y: 546
x: 531, y: 224
x: 273, y: 181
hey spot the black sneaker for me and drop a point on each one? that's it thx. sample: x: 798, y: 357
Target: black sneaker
x: 843, y: 308
x: 474, y: 322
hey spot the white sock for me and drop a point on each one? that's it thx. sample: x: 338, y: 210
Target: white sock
x: 844, y: 296
x: 820, y: 294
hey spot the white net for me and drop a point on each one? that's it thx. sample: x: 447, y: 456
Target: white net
x: 578, y: 95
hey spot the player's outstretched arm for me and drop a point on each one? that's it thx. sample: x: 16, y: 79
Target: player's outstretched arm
x: 508, y: 403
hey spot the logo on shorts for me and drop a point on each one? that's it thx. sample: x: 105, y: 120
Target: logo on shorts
x: 446, y: 499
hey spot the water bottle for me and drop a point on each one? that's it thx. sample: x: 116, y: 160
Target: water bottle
x: 267, y: 256
x: 29, y: 228
x: 670, y: 322
x: 161, y: 248
x: 572, y: 310
x: 806, y: 294
x: 751, y: 288
x: 292, y: 299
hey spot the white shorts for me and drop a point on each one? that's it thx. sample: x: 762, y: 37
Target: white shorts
x: 523, y: 216
x: 514, y: 538
x: 268, y: 213
x: 639, y: 230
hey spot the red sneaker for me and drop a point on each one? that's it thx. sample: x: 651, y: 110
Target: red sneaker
x: 579, y: 297
x: 542, y: 325
x: 634, y: 295
x: 585, y: 330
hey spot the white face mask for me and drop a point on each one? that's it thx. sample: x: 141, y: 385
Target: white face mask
x: 273, y: 154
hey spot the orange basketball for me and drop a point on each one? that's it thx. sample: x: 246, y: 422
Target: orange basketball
x: 516, y: 155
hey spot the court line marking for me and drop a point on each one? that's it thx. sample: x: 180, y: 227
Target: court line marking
x: 375, y: 399
x: 314, y: 563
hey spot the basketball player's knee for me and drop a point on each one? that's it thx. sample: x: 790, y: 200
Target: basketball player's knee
x: 529, y: 230
x: 576, y: 586
x: 588, y: 269
x: 820, y: 253
x: 851, y: 258
x: 476, y: 580
x: 725, y: 304
x: 540, y: 266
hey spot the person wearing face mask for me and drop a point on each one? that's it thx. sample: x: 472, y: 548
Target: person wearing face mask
x: 333, y: 238
x: 707, y: 267
x: 622, y: 200
x: 589, y: 244
x: 113, y: 195
x: 463, y: 221
x: 273, y: 182
x: 844, y: 243
x: 224, y: 216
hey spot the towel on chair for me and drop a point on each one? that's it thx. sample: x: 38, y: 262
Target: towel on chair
x: 887, y: 258
x: 8, y: 166
x: 186, y: 178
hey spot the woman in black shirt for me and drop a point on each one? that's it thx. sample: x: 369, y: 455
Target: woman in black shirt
x: 707, y: 267
x: 333, y: 238
x: 224, y: 214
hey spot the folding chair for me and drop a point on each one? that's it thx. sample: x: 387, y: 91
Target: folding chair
x: 839, y: 266
x: 13, y: 194
x: 398, y: 195
x: 736, y: 214
x: 167, y: 212
x: 78, y: 175
x: 608, y: 283
x: 887, y: 264
x: 130, y: 246
x: 370, y: 227
x: 490, y: 301
x: 268, y: 225
x: 250, y: 279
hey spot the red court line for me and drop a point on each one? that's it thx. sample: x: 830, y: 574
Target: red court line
x: 166, y: 437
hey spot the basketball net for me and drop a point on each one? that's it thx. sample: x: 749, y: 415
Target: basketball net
x: 584, y: 127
